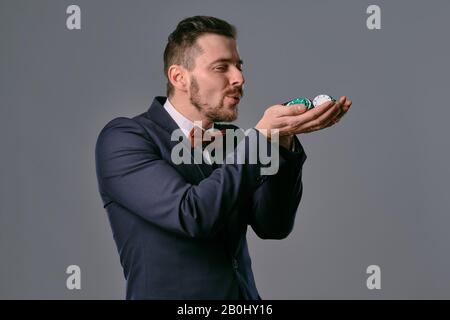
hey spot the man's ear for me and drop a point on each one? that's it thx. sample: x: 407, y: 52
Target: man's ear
x: 177, y: 76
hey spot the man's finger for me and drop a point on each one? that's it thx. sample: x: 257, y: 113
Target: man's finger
x: 345, y: 109
x: 314, y: 113
x: 323, y: 120
x: 348, y: 104
x: 309, y: 125
x: 329, y: 116
x: 292, y: 110
x: 327, y: 113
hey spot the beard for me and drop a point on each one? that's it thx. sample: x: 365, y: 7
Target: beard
x: 214, y: 113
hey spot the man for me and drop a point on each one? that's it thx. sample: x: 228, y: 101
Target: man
x: 180, y: 229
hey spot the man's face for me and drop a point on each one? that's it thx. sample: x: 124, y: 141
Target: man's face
x: 216, y: 82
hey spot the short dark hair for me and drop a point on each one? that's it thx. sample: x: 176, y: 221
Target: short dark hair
x: 181, y: 47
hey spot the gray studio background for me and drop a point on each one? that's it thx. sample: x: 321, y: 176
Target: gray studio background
x: 375, y: 186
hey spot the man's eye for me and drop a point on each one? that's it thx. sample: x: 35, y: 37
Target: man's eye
x: 221, y: 68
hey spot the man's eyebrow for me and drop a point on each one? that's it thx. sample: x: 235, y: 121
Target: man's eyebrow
x: 226, y: 60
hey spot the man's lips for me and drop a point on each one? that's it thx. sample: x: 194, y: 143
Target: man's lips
x: 236, y: 98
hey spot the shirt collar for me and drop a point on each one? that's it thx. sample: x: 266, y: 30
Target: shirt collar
x: 184, y: 123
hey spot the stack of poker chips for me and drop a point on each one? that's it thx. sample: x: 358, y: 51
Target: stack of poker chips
x: 318, y: 100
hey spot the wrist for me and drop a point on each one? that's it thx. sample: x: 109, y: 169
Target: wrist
x: 287, y: 141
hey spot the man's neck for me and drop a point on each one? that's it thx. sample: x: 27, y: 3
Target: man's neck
x: 184, y: 107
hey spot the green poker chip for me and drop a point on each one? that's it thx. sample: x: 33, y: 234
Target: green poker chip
x: 301, y: 100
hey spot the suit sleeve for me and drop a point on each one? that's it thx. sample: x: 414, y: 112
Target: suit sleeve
x: 132, y: 173
x: 275, y: 203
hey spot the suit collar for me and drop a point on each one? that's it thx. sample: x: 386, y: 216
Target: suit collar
x: 158, y: 115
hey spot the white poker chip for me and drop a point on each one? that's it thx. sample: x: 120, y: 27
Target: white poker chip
x: 322, y: 98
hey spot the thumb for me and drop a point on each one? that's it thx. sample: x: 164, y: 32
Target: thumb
x: 297, y: 109
x: 293, y: 110
x: 301, y: 108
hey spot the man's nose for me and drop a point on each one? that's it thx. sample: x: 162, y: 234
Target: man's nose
x: 237, y: 77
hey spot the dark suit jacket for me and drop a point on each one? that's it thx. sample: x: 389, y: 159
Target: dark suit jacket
x: 180, y: 230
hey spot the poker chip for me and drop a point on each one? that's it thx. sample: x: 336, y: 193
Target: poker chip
x: 322, y: 98
x: 300, y: 100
